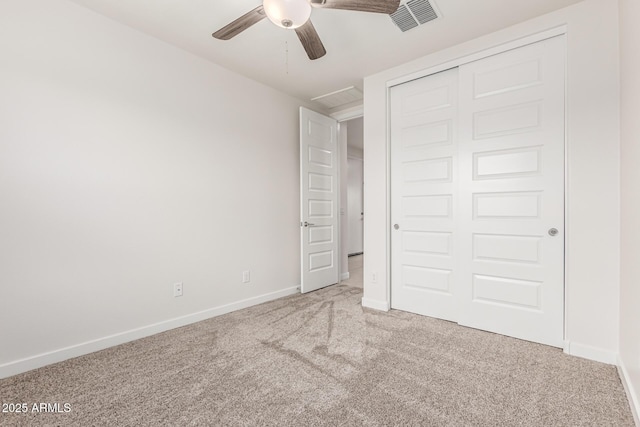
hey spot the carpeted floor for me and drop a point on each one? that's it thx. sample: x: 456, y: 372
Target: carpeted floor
x: 321, y: 359
x: 355, y: 271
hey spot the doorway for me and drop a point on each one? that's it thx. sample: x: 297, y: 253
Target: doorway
x: 328, y: 235
x: 353, y: 200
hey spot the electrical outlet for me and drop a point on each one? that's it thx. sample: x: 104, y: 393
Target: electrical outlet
x: 246, y: 276
x: 177, y: 289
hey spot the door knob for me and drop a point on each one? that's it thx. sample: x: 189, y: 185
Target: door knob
x: 396, y: 226
x: 553, y: 232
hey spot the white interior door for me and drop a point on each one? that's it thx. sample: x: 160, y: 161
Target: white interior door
x: 477, y: 194
x: 355, y: 205
x: 423, y: 195
x: 318, y: 200
x: 511, y: 157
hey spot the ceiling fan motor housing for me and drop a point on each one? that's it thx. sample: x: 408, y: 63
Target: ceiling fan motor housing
x: 287, y: 13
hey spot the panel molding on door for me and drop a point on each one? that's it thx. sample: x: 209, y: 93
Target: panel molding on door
x: 511, y: 158
x: 318, y: 200
x: 423, y: 182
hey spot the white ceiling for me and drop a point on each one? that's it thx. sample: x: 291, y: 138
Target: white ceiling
x: 358, y: 44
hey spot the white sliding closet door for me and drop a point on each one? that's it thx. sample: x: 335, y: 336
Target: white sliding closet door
x: 423, y: 156
x: 511, y: 157
x: 477, y: 194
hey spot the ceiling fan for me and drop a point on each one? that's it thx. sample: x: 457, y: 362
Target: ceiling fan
x: 295, y: 14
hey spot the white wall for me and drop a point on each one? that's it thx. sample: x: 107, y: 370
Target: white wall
x: 127, y: 165
x: 355, y: 153
x: 630, y: 203
x: 355, y: 197
x: 356, y: 137
x: 592, y: 263
x: 354, y: 186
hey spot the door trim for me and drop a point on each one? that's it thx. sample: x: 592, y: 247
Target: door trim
x: 341, y: 117
x: 514, y: 44
x: 348, y: 113
x: 361, y: 160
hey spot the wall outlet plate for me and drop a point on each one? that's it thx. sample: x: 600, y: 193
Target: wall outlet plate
x: 177, y: 289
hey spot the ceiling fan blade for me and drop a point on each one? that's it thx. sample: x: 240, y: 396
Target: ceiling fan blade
x: 376, y: 6
x: 240, y: 24
x: 311, y: 41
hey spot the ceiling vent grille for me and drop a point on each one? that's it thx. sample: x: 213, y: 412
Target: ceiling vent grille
x: 414, y: 13
x: 403, y: 19
x: 422, y: 10
x: 339, y: 97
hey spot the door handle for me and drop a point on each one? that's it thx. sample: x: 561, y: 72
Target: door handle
x: 553, y: 232
x: 308, y: 224
x: 396, y: 226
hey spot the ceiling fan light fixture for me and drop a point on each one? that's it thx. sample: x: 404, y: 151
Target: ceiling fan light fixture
x: 287, y: 13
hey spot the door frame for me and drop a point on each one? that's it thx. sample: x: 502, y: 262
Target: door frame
x: 350, y: 113
x: 361, y: 160
x: 514, y: 44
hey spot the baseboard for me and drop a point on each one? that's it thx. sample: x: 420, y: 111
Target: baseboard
x: 591, y: 353
x: 344, y: 276
x: 375, y: 304
x: 44, y: 359
x: 634, y: 403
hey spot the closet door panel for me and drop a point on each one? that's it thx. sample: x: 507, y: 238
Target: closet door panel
x: 511, y: 195
x: 423, y: 192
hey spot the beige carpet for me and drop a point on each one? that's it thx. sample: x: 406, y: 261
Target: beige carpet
x: 355, y: 271
x: 320, y: 359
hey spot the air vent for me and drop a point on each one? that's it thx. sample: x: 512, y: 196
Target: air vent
x: 422, y: 10
x: 414, y: 13
x: 403, y: 18
x: 339, y: 97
